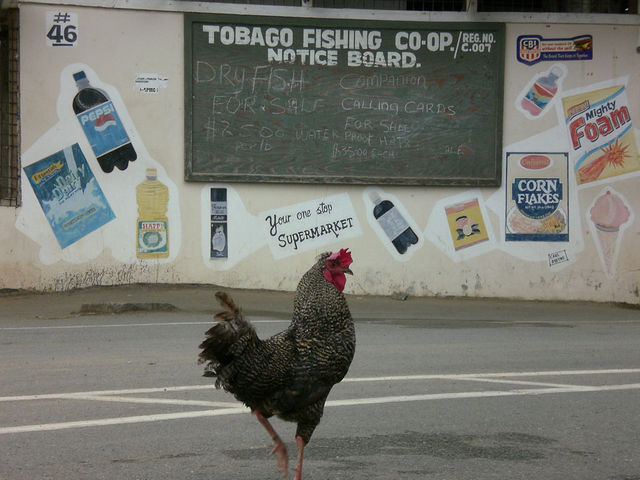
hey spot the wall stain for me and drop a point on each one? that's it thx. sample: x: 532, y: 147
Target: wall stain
x: 125, y: 274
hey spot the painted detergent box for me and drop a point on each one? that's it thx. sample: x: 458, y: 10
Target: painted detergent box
x: 601, y: 136
x: 69, y: 195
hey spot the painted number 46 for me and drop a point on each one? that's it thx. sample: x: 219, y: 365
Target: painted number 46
x: 62, y: 29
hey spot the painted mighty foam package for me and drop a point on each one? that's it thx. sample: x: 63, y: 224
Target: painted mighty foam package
x: 601, y: 136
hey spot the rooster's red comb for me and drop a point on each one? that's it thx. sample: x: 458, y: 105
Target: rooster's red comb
x: 343, y: 257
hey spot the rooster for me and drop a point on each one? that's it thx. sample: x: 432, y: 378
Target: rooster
x: 291, y: 373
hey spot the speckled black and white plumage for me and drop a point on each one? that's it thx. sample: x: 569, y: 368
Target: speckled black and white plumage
x: 290, y: 374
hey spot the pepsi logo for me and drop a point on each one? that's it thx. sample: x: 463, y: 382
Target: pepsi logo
x: 104, y: 121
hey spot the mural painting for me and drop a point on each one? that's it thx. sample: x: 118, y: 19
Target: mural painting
x: 152, y: 225
x: 535, y: 202
x: 601, y: 135
x: 608, y: 216
x: 101, y: 124
x: 232, y: 233
x: 219, y: 229
x: 309, y: 225
x: 394, y: 226
x: 466, y: 224
x: 94, y: 189
x: 537, y: 188
x: 69, y: 195
x: 115, y: 195
x: 538, y: 191
x: 541, y: 93
x: 460, y: 226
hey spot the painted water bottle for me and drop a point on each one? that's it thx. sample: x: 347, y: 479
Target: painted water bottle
x: 152, y: 232
x: 393, y: 223
x: 542, y: 91
x: 102, y: 126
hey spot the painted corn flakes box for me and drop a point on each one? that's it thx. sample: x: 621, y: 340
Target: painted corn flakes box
x: 537, y: 203
x: 601, y: 137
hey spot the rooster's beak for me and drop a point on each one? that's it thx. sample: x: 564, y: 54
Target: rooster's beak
x: 348, y: 270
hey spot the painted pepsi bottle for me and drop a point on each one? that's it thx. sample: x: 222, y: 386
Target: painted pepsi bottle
x: 393, y: 223
x: 102, y: 126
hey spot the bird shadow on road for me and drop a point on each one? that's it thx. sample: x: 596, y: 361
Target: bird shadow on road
x: 505, y: 446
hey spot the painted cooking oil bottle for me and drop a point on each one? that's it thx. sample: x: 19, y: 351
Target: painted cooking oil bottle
x: 152, y: 231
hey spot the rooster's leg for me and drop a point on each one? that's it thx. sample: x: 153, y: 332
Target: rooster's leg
x: 301, y: 444
x: 279, y: 446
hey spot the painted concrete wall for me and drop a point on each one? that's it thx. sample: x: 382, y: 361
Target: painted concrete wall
x: 87, y: 229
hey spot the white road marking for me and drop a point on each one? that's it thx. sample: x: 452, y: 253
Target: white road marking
x: 155, y: 401
x: 395, y: 378
x: 122, y: 420
x: 61, y: 396
x: 330, y: 403
x: 232, y: 408
x: 484, y: 394
x: 462, y: 376
x: 514, y: 382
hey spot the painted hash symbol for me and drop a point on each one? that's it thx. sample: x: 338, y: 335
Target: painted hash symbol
x: 61, y: 18
x: 62, y: 29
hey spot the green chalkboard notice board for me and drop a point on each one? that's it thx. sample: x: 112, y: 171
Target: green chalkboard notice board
x: 272, y: 99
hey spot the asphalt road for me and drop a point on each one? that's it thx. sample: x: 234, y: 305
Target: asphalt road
x: 438, y: 391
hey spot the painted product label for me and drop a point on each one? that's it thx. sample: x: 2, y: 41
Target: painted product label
x: 152, y: 237
x: 103, y: 128
x: 393, y: 223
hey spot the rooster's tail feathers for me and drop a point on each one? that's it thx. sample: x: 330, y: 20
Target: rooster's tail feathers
x: 227, y: 302
x: 227, y: 339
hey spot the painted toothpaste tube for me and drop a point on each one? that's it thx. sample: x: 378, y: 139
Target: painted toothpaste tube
x: 601, y: 136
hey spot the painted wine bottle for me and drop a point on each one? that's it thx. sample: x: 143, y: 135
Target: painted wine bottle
x: 393, y: 223
x: 102, y: 126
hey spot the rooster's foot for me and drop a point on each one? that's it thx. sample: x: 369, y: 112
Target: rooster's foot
x: 283, y: 458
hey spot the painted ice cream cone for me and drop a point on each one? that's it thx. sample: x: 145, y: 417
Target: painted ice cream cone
x: 608, y: 214
x: 607, y: 242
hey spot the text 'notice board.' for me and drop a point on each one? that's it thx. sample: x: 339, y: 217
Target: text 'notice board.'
x: 330, y: 101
